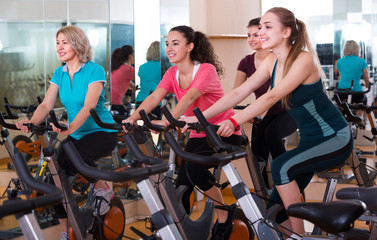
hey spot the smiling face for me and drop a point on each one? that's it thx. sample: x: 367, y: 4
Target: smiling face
x: 253, y: 38
x: 64, y: 49
x: 177, y: 48
x: 272, y: 32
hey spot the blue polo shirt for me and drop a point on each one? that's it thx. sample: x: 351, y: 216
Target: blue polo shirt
x: 73, y: 97
x: 351, y: 69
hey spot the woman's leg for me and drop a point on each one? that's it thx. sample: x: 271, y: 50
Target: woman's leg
x: 279, y: 126
x: 193, y: 174
x: 290, y: 194
x: 91, y: 147
x: 292, y: 171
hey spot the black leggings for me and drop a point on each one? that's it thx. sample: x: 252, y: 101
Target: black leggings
x: 91, y: 147
x: 267, y: 137
x: 191, y: 174
x: 356, y: 97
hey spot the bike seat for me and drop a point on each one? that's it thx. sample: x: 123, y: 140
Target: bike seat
x: 364, y: 194
x: 332, y: 217
x: 333, y: 172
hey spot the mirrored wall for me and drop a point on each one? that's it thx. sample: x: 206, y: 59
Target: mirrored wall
x: 331, y: 23
x: 27, y: 40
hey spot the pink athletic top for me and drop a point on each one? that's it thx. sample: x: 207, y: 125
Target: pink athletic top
x: 120, y: 81
x: 208, y: 83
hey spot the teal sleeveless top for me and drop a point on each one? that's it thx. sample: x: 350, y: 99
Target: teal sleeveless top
x: 316, y: 116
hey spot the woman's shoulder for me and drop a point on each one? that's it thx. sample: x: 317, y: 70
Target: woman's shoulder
x: 94, y: 66
x: 207, y: 67
x: 305, y: 57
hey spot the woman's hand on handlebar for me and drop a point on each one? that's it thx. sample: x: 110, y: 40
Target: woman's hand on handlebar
x: 20, y: 125
x: 226, y: 129
x: 163, y: 123
x: 188, y: 120
x: 60, y: 131
x: 130, y: 121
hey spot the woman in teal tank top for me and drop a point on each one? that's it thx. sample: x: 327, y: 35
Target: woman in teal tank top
x: 325, y: 139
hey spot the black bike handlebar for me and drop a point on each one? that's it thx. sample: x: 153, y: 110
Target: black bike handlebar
x: 346, y: 110
x: 180, y: 124
x: 114, y: 126
x: 24, y: 109
x: 54, y: 195
x: 148, y: 122
x: 211, y: 134
x: 213, y: 160
x: 56, y: 122
x: 171, y: 119
x: 5, y: 124
x: 214, y: 138
x: 10, y: 114
x: 99, y: 122
x: 158, y: 166
x: 348, y: 90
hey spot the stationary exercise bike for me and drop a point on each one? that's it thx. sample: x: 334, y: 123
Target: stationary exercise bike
x: 83, y: 223
x: 265, y: 228
x: 23, y: 208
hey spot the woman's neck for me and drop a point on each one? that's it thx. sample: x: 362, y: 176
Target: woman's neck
x: 73, y: 66
x: 186, y: 67
x: 261, y: 54
x: 281, y: 53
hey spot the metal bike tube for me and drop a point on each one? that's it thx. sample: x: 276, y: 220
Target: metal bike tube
x: 263, y: 228
x: 30, y: 227
x: 169, y: 231
x: 72, y: 212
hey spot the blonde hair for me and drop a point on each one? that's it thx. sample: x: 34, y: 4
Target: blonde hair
x: 153, y: 52
x: 351, y: 48
x: 79, y: 42
x: 300, y: 41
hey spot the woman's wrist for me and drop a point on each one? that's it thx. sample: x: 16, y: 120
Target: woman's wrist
x: 235, y: 124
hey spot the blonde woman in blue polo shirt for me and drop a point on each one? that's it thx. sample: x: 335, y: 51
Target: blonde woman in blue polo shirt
x: 80, y: 86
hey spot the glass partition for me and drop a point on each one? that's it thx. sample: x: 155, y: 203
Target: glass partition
x: 27, y: 40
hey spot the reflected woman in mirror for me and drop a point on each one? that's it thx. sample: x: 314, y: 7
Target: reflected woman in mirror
x: 195, y: 81
x: 122, y: 77
x: 352, y: 68
x: 150, y: 75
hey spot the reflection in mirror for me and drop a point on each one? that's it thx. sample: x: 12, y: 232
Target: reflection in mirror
x: 173, y: 13
x: 147, y: 30
x: 27, y: 41
x: 122, y: 55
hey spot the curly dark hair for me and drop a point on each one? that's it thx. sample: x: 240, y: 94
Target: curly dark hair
x: 120, y: 56
x: 203, y: 51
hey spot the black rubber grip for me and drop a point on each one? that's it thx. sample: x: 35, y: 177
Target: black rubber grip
x: 126, y: 175
x: 148, y: 122
x: 171, y: 119
x: 55, y: 121
x: 210, y: 132
x: 234, y: 153
x: 5, y: 124
x: 99, y: 122
x: 54, y: 195
x: 10, y: 114
x: 346, y: 110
